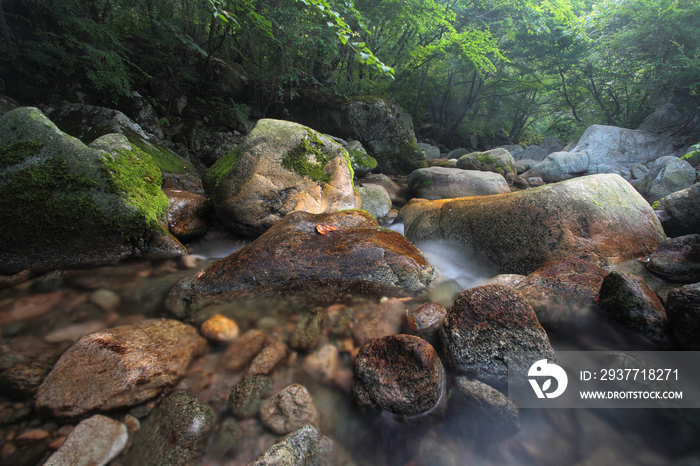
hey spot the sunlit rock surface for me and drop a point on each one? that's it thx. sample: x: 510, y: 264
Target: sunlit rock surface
x: 600, y: 218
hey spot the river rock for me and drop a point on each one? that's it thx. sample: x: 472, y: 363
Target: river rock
x: 93, y: 442
x: 563, y: 291
x: 683, y: 310
x: 226, y: 77
x: 244, y: 349
x: 307, y: 333
x: 247, y: 397
x: 219, y: 329
x: 188, y: 214
x: 426, y: 320
x: 174, y: 434
x: 305, y: 446
x: 677, y: 259
x: 395, y: 191
x: 551, y: 144
x: 288, y: 410
x: 600, y: 218
x: 533, y: 152
x: 666, y: 175
x: 494, y: 412
x: 664, y: 120
x: 386, y: 131
x: 560, y: 166
x: 119, y: 367
x: 89, y: 122
x: 362, y: 163
x: 401, y: 374
x: 447, y: 183
x: 267, y: 359
x: 280, y: 167
x: 320, y: 256
x: 431, y: 152
x: 375, y: 200
x: 682, y: 211
x: 495, y: 160
x: 377, y: 320
x: 24, y: 363
x: 628, y: 300
x: 485, y: 331
x: 67, y: 205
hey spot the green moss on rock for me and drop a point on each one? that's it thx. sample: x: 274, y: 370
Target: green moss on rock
x: 18, y: 152
x: 362, y: 160
x: 297, y: 159
x: 224, y: 165
x: 166, y: 160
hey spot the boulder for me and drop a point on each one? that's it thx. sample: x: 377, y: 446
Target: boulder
x: 280, y: 167
x: 457, y: 153
x: 600, y: 218
x: 119, y: 367
x: 188, y: 214
x: 68, y: 205
x: 362, y: 163
x: 401, y: 374
x: 495, y: 160
x: 533, y: 152
x: 563, y: 291
x: 447, y: 183
x: 228, y: 78
x: 395, y: 191
x: 386, y: 131
x: 140, y: 110
x: 89, y: 122
x: 375, y: 200
x: 7, y: 104
x: 174, y: 434
x: 677, y: 259
x: 683, y: 309
x: 431, y: 152
x: 487, y: 331
x: 666, y: 175
x: 682, y: 211
x: 25, y: 361
x: 560, y: 166
x: 629, y: 301
x: 551, y: 144
x: 516, y: 150
x: 316, y: 255
x: 663, y: 121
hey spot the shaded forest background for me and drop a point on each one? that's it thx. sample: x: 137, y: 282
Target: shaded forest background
x: 462, y: 69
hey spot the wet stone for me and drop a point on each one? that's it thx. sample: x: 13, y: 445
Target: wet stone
x: 303, y: 447
x: 323, y: 365
x: 628, y: 300
x: 491, y: 409
x: 24, y: 363
x: 427, y: 319
x: 485, y: 330
x: 307, y: 332
x: 678, y: 259
x: 219, y: 329
x: 288, y: 410
x: 174, y: 434
x: 683, y: 310
x: 242, y: 351
x: 119, y: 367
x: 226, y: 439
x: 268, y: 358
x: 401, y: 374
x: 378, y: 320
x: 94, y: 441
x: 247, y: 397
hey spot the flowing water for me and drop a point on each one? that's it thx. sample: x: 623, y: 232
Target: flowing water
x: 442, y: 437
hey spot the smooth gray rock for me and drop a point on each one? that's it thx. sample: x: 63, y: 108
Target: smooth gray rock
x: 375, y: 200
x: 174, y: 434
x: 495, y: 160
x: 431, y: 152
x: 447, y: 183
x: 666, y: 175
x: 534, y: 152
x: 560, y: 166
x: 682, y: 210
x: 551, y: 144
x: 93, y: 442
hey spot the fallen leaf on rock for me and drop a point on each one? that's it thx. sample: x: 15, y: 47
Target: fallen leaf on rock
x: 324, y: 229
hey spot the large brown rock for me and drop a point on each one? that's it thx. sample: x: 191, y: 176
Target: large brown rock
x: 401, y: 374
x: 188, y: 214
x: 119, y: 367
x: 487, y: 332
x: 280, y: 167
x: 599, y: 218
x: 320, y: 256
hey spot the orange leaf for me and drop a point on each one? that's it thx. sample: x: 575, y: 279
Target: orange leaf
x: 324, y: 229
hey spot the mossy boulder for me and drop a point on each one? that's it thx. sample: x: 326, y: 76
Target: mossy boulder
x: 375, y: 200
x: 280, y: 167
x: 496, y: 160
x: 89, y: 122
x: 446, y: 183
x: 362, y: 162
x: 598, y: 218
x: 69, y: 205
x: 386, y: 131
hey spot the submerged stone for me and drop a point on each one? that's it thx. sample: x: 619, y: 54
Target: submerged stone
x: 320, y: 257
x: 69, y: 205
x: 305, y: 446
x: 95, y: 441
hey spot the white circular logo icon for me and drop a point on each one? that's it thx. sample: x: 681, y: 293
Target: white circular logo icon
x: 550, y: 370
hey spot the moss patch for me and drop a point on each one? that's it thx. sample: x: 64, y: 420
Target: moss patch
x: 297, y: 159
x: 164, y: 159
x: 136, y: 178
x: 362, y: 160
x: 18, y: 152
x: 224, y: 165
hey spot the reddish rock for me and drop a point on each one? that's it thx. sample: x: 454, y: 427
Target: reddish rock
x: 377, y: 320
x: 119, y: 367
x: 219, y: 329
x: 242, y: 351
x: 188, y: 214
x: 487, y: 330
x: 563, y: 290
x: 32, y: 306
x: 268, y: 358
x: 25, y: 362
x: 292, y: 257
x: 401, y: 374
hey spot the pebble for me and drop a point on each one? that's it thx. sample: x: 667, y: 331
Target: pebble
x: 378, y: 320
x: 74, y: 332
x: 426, y: 320
x: 323, y: 365
x: 31, y: 436
x: 268, y: 358
x: 247, y: 397
x: 307, y: 333
x: 219, y: 329
x: 32, y: 306
x: 304, y: 447
x: 225, y: 440
x: 95, y: 441
x: 288, y: 410
x: 107, y: 300
x: 242, y: 351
